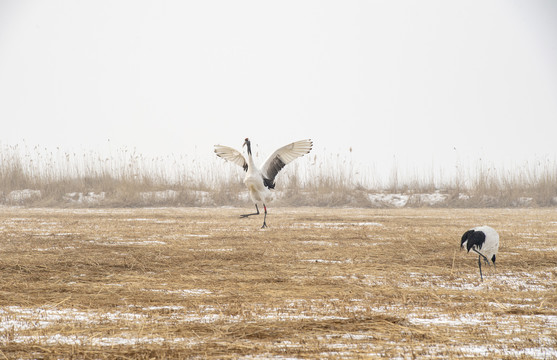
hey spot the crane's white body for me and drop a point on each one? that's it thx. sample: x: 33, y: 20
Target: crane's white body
x: 253, y: 180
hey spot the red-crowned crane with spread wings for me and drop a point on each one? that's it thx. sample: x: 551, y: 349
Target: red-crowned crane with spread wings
x: 260, y: 181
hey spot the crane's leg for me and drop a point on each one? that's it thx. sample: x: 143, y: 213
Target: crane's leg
x: 256, y: 213
x: 480, y: 262
x: 480, y: 265
x: 265, y: 217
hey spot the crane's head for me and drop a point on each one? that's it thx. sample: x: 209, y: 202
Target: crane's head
x: 247, y: 142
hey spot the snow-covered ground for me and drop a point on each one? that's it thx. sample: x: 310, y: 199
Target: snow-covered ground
x: 207, y: 198
x: 507, y: 327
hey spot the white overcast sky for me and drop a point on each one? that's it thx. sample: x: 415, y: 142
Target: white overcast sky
x: 419, y: 82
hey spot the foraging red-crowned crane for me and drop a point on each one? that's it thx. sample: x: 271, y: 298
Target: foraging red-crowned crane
x: 484, y: 241
x: 260, y: 181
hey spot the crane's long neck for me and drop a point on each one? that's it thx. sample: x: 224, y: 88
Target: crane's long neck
x: 250, y: 157
x: 249, y: 147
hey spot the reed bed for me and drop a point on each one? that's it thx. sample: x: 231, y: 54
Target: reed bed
x: 318, y: 283
x: 125, y: 178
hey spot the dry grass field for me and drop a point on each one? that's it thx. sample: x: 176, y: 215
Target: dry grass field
x: 318, y: 283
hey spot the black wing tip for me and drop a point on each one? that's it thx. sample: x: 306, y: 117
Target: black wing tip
x: 269, y: 183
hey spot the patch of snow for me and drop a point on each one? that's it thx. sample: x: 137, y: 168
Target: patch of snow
x: 524, y: 281
x: 333, y: 225
x: 428, y: 199
x: 534, y: 352
x: 53, y: 248
x: 402, y: 200
x: 144, y: 242
x: 551, y: 249
x: 528, y: 236
x: 58, y: 339
x: 537, y: 353
x: 213, y: 250
x: 89, y: 198
x: 19, y: 197
x: 357, y: 336
x: 444, y: 319
x: 158, y: 196
x: 30, y: 318
x: 156, y: 221
x: 391, y: 200
x: 185, y: 292
x: 462, y: 196
x: 319, y: 243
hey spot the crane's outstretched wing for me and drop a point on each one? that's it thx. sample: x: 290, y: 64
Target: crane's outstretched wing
x: 232, y: 155
x: 281, y: 157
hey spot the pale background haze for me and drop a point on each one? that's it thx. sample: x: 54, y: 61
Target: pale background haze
x: 419, y: 84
